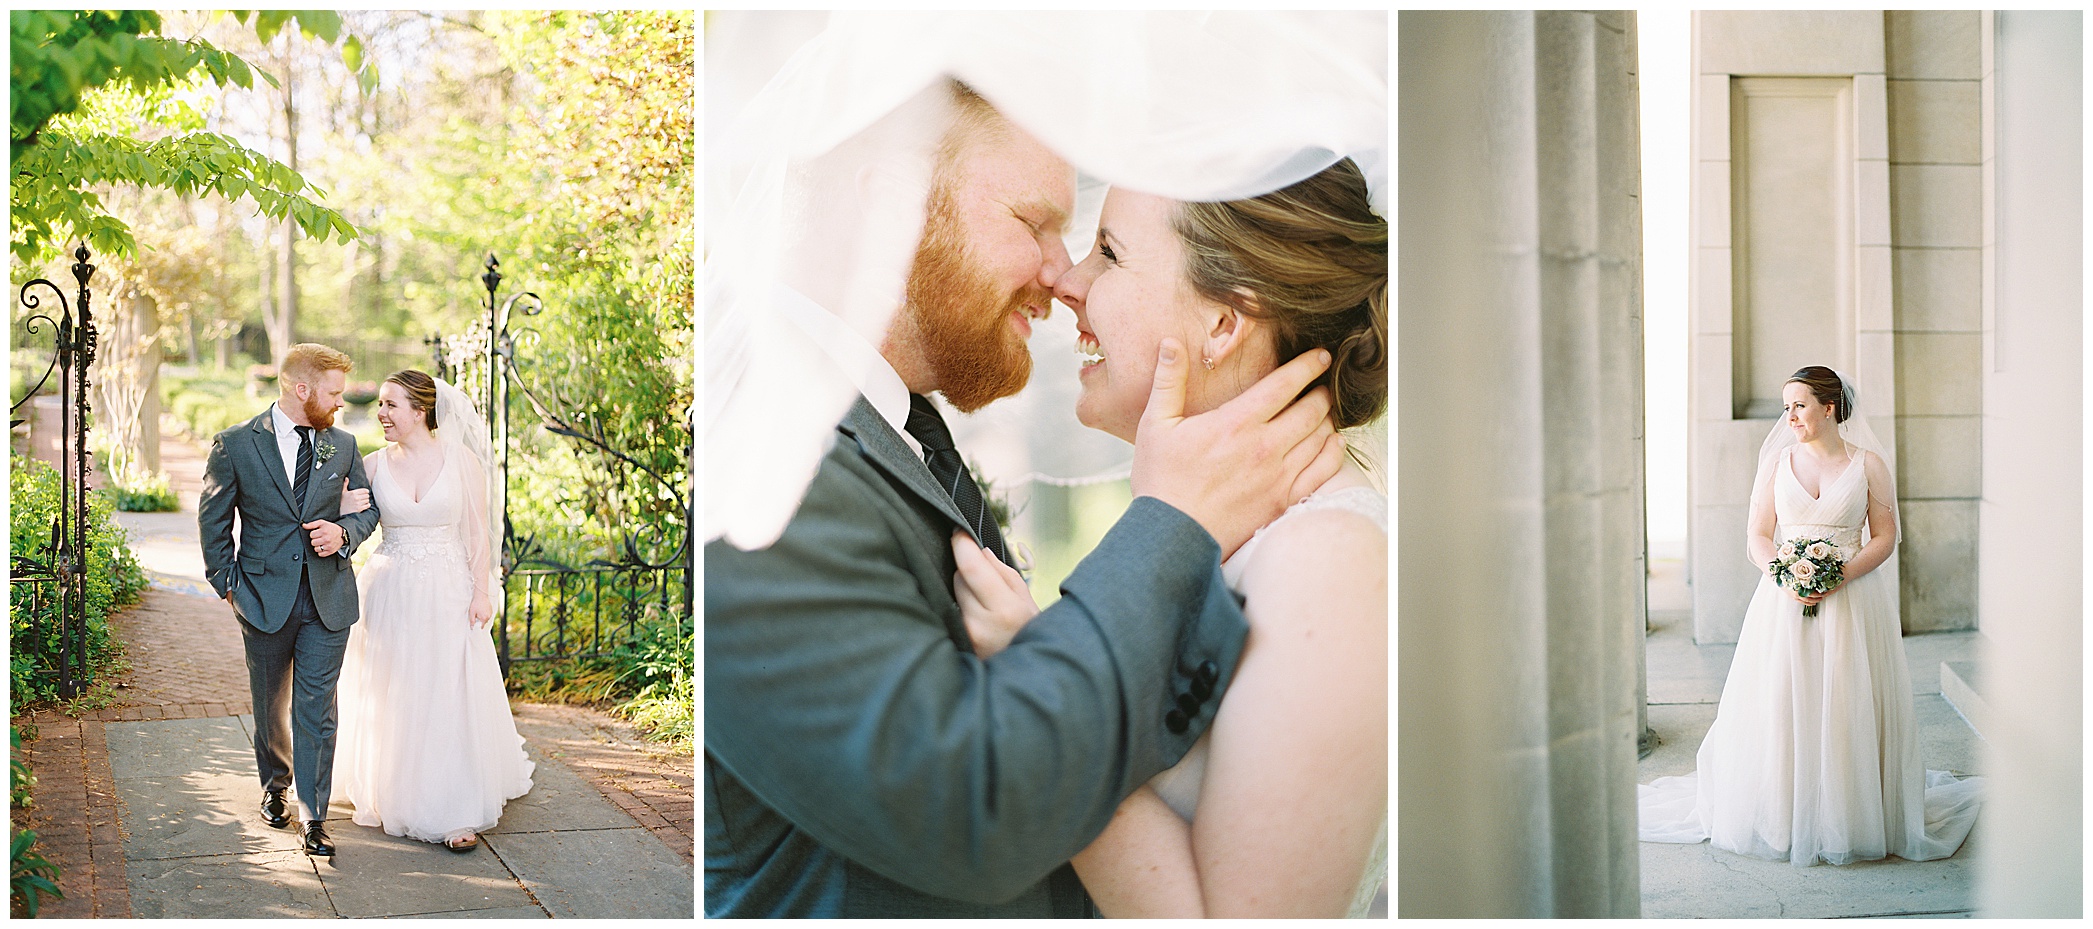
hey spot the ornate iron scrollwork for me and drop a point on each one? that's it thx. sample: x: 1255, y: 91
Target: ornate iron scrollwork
x: 59, y: 568
x: 523, y: 558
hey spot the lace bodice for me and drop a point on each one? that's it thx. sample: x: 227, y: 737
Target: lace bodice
x: 423, y: 532
x: 1838, y: 512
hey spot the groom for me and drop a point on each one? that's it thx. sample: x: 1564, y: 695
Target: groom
x: 289, y: 581
x: 859, y: 759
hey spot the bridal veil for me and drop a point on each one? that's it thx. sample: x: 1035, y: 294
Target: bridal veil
x: 818, y: 183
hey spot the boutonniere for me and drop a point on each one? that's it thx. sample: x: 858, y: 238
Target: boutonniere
x: 321, y: 453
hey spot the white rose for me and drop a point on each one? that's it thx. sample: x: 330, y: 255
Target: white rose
x: 1803, y: 571
x: 1787, y: 551
x: 1820, y: 551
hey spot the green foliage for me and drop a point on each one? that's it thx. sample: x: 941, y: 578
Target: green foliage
x: 150, y: 493
x: 660, y: 664
x: 32, y: 877
x: 60, y: 58
x: 207, y: 403
x: 649, y: 680
x: 56, y: 56
x: 113, y: 579
x: 20, y: 780
x: 611, y: 248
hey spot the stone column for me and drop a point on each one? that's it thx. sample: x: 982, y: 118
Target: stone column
x: 1522, y: 549
x: 2030, y: 598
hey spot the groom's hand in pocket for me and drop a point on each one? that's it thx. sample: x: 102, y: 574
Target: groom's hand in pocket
x: 1238, y: 466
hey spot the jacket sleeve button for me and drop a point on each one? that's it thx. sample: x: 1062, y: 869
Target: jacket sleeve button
x: 1201, y: 690
x: 1188, y: 703
x: 1175, y: 721
x: 1209, y: 672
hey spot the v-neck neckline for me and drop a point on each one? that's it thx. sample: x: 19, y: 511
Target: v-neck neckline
x: 440, y: 468
x: 1822, y: 486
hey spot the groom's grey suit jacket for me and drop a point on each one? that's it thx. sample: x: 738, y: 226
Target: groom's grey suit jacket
x: 860, y: 760
x: 245, y: 473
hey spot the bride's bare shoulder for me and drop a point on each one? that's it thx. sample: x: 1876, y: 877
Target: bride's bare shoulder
x: 1874, y: 463
x: 1326, y: 549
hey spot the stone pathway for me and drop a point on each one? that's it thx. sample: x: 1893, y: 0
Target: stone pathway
x: 1697, y: 881
x: 150, y: 806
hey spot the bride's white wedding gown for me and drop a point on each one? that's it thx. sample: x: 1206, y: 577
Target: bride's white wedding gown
x: 1179, y: 786
x: 1814, y: 754
x: 427, y: 747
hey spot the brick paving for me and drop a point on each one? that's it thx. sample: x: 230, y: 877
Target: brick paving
x: 187, y: 662
x: 652, y: 786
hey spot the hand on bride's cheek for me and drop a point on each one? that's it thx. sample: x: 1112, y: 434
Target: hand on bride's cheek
x: 1128, y: 294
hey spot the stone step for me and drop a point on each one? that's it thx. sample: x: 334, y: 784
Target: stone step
x: 1961, y: 684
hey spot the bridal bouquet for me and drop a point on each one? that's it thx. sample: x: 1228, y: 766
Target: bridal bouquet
x: 1808, y: 566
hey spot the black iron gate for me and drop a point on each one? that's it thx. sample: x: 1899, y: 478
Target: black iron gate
x: 50, y: 586
x: 551, y: 609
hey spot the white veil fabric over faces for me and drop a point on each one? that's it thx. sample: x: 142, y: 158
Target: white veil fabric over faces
x: 460, y: 428
x: 817, y: 186
x: 1856, y: 433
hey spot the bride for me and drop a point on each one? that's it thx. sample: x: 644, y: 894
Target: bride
x: 1814, y: 754
x: 428, y: 748
x: 1294, y: 767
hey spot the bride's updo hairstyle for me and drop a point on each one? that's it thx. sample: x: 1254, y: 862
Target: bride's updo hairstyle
x: 1311, y: 262
x: 1824, y: 385
x: 421, y: 393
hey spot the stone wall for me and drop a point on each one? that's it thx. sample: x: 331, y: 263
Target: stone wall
x: 1836, y: 205
x: 1936, y: 210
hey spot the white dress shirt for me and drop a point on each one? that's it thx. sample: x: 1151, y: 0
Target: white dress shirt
x: 287, y: 442
x: 870, y: 371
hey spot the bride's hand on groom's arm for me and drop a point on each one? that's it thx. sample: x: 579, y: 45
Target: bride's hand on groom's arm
x: 993, y: 599
x: 1236, y: 467
x: 354, y: 501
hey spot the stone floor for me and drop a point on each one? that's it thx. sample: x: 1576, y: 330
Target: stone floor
x: 195, y: 845
x: 1696, y: 881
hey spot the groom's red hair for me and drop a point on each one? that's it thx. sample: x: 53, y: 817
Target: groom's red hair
x: 306, y: 360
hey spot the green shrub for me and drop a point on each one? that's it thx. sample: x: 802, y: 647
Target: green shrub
x: 208, y: 406
x: 660, y: 666
x: 649, y: 680
x: 151, y: 494
x: 31, y: 876
x: 113, y: 579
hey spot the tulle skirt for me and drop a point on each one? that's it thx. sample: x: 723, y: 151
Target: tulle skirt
x: 1814, y: 754
x: 427, y: 747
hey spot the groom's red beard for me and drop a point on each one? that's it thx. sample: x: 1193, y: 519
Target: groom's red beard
x: 316, y: 415
x: 961, y: 320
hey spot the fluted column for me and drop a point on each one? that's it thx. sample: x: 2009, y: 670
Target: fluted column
x: 1521, y: 541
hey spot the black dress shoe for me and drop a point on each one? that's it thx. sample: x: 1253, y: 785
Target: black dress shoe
x: 275, y: 811
x: 316, y: 843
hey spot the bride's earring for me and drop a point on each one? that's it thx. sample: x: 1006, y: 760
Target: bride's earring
x: 1209, y: 363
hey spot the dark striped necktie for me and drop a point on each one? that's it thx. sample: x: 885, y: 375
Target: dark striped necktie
x: 929, y: 428
x: 304, y: 478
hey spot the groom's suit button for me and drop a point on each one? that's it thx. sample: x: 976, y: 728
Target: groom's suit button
x: 1188, y: 703
x: 1209, y: 673
x: 1202, y: 690
x: 1175, y: 721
